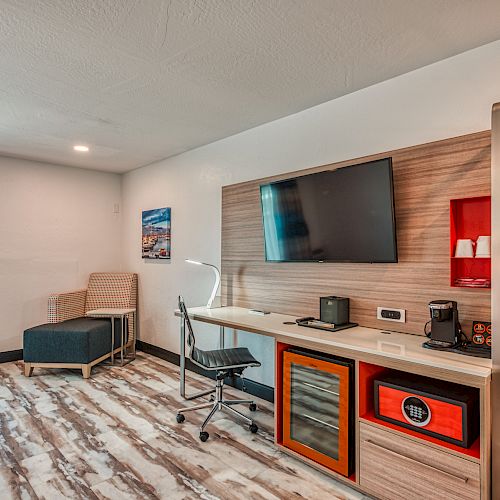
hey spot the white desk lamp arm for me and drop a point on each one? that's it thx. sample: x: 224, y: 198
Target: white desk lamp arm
x: 216, y: 285
x: 217, y: 279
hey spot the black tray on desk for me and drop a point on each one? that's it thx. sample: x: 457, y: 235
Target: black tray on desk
x: 471, y: 350
x: 464, y: 348
x: 325, y: 328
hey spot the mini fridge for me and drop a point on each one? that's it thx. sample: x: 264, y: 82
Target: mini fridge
x: 318, y: 408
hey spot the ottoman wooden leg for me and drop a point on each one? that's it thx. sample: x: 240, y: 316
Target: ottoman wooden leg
x: 86, y: 371
x: 28, y: 370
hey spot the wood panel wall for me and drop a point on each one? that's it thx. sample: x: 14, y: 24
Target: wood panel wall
x: 426, y: 177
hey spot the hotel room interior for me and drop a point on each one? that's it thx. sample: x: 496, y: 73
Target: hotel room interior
x: 247, y: 249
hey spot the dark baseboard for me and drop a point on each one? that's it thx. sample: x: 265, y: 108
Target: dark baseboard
x: 158, y: 352
x: 7, y: 356
x: 255, y: 388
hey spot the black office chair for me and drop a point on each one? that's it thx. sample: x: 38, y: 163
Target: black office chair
x: 225, y: 362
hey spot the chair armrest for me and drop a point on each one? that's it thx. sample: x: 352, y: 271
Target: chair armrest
x: 64, y: 306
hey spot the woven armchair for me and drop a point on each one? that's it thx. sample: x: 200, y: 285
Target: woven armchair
x: 117, y: 290
x: 69, y: 339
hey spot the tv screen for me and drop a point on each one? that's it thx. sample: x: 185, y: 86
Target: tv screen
x: 342, y: 215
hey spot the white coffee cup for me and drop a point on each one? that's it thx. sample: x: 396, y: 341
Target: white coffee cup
x: 464, y: 248
x: 483, y: 246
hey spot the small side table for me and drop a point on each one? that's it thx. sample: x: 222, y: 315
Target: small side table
x: 113, y: 313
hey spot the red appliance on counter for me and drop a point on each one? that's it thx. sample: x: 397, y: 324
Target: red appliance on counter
x: 440, y: 409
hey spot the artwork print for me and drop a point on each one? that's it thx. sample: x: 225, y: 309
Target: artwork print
x: 156, y: 233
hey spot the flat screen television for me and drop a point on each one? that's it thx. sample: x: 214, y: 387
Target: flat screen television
x: 342, y: 215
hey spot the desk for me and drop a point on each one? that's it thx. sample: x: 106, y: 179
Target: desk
x: 371, y: 346
x: 394, y: 350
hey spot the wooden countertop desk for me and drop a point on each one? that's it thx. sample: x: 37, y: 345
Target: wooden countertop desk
x: 393, y: 350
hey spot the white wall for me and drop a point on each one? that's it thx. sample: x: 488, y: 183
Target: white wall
x: 56, y: 226
x: 449, y: 98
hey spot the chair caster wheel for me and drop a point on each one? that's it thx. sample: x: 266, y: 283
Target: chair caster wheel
x: 253, y: 428
x: 252, y: 407
x: 212, y: 397
x: 203, y: 436
x: 180, y: 418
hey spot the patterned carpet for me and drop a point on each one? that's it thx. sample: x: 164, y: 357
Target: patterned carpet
x: 115, y: 436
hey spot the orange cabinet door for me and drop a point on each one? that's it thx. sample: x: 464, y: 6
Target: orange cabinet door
x: 316, y: 410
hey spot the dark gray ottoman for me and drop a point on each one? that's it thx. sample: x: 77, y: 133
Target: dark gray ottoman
x: 77, y: 343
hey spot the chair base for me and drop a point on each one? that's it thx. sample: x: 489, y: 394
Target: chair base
x: 218, y: 403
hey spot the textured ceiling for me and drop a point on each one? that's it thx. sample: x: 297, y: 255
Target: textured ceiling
x: 141, y: 80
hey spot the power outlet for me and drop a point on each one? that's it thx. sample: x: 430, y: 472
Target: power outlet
x: 391, y: 314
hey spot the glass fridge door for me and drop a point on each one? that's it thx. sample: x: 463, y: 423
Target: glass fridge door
x: 316, y: 399
x: 314, y: 409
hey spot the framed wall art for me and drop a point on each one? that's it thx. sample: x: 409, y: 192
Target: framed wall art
x: 156, y: 242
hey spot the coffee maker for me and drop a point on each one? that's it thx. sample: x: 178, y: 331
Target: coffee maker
x: 445, y: 331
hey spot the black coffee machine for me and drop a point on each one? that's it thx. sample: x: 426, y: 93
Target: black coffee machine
x: 445, y: 330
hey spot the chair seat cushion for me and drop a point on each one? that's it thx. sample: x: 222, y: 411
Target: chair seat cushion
x: 224, y: 358
x: 79, y: 340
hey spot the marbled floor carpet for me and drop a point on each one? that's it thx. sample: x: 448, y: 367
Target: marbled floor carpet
x: 115, y: 436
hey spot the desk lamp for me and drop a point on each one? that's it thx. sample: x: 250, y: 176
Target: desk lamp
x: 217, y: 279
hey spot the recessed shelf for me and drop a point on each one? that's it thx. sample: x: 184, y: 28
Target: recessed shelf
x: 366, y: 375
x: 469, y: 219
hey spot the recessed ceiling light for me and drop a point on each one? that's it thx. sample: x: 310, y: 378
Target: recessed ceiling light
x: 81, y: 148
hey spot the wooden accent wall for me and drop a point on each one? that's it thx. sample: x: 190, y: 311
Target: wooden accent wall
x: 426, y: 177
